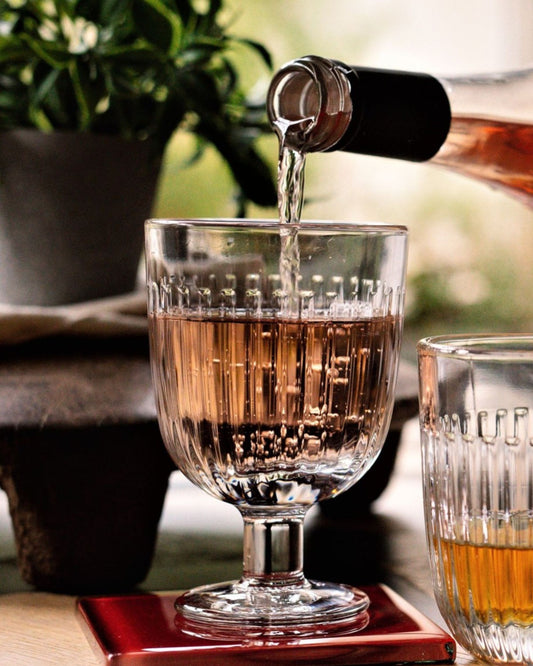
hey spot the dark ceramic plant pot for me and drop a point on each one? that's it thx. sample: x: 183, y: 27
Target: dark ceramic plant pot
x: 72, y: 208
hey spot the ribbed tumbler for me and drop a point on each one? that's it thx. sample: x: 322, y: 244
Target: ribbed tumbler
x: 476, y: 417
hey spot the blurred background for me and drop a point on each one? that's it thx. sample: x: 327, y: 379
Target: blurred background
x: 470, y: 265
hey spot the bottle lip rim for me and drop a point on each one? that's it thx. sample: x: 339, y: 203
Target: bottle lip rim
x: 326, y: 126
x: 498, y: 347
x: 264, y: 224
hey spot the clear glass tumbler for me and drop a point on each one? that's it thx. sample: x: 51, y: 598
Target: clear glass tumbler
x: 476, y: 417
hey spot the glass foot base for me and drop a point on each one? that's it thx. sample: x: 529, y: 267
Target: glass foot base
x: 308, y: 607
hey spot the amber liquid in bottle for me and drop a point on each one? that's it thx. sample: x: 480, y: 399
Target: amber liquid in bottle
x: 499, y: 153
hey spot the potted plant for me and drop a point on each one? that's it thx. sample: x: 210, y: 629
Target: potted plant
x: 90, y: 93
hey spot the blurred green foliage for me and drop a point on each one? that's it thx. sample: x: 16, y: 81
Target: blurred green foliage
x: 137, y: 69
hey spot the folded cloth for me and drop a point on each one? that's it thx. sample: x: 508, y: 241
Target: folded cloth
x: 106, y: 317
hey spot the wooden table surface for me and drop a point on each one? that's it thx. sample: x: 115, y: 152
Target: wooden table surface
x: 200, y: 542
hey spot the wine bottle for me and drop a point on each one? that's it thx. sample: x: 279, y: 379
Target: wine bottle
x: 479, y: 126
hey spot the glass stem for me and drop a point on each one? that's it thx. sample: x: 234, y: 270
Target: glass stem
x: 273, y: 548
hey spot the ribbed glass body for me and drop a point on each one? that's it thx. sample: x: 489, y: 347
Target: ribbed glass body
x: 274, y: 353
x: 476, y: 410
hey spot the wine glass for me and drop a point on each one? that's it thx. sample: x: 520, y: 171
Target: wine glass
x: 274, y: 354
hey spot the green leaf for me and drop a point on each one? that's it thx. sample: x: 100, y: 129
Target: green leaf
x: 214, y: 7
x: 113, y: 11
x: 135, y: 54
x: 40, y: 120
x: 13, y: 50
x: 184, y: 9
x: 207, y: 23
x: 59, y: 104
x: 52, y: 54
x: 82, y: 89
x: 158, y: 24
x: 200, y: 53
x: 170, y: 116
x: 249, y: 170
x: 259, y: 48
x: 201, y: 93
x: 43, y: 89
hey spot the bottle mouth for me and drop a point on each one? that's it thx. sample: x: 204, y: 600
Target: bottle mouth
x: 309, y: 104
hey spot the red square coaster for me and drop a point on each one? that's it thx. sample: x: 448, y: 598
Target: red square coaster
x: 144, y: 630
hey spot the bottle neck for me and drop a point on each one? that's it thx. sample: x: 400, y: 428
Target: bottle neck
x: 316, y: 105
x: 309, y: 103
x: 502, y: 95
x: 478, y: 126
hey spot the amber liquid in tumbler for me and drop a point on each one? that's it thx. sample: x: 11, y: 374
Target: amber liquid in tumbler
x: 493, y: 583
x: 272, y: 412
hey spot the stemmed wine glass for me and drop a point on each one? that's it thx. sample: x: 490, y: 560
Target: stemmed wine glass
x: 274, y: 353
